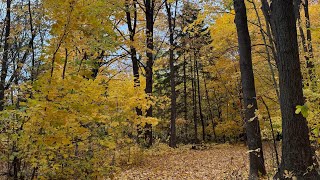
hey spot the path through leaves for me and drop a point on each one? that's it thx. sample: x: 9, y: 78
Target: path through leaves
x: 210, y: 162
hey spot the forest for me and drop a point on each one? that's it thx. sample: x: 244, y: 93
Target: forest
x: 159, y: 89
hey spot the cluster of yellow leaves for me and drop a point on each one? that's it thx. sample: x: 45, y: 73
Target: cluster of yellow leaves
x: 86, y: 25
x: 72, y: 127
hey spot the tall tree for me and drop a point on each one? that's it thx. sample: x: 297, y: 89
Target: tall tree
x: 132, y: 26
x: 200, y: 98
x: 249, y: 94
x: 194, y: 102
x: 171, y: 26
x: 149, y: 14
x: 5, y: 58
x: 297, y: 155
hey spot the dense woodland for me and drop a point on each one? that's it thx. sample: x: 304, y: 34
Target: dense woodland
x: 92, y: 88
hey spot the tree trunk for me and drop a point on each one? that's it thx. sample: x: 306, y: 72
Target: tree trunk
x: 194, y: 103
x: 5, y: 58
x: 133, y: 51
x: 199, y: 99
x: 185, y: 96
x: 306, y: 40
x: 209, y: 107
x: 171, y: 27
x: 249, y: 94
x: 133, y: 54
x: 297, y: 155
x: 149, y: 13
x: 31, y: 42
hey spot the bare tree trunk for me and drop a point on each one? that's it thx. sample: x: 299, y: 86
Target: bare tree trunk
x: 171, y: 27
x: 199, y: 97
x: 65, y: 63
x: 33, y: 34
x: 194, y: 103
x: 273, y: 76
x: 249, y: 94
x: 306, y: 40
x: 297, y: 155
x: 185, y: 110
x: 270, y: 28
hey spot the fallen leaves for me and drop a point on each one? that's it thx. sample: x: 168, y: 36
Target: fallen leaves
x: 222, y: 161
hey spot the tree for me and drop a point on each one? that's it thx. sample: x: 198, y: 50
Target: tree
x: 306, y: 40
x: 149, y: 14
x: 171, y: 27
x: 5, y: 58
x: 249, y: 93
x: 132, y: 26
x: 297, y: 155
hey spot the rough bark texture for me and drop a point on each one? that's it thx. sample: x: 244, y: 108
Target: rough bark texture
x: 249, y: 94
x: 297, y: 155
x: 149, y: 13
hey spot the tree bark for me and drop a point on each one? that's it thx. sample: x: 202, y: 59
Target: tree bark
x: 249, y: 94
x: 297, y: 155
x: 199, y: 98
x: 185, y: 96
x: 171, y: 27
x: 133, y: 51
x: 194, y: 103
x: 5, y: 58
x: 149, y: 13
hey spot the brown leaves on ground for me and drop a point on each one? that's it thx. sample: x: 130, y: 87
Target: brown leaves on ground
x: 222, y: 161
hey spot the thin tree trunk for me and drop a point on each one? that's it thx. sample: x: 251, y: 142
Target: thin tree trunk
x: 32, y: 31
x: 199, y: 99
x: 249, y: 94
x: 273, y: 76
x: 310, y: 63
x: 306, y: 40
x: 5, y: 59
x: 185, y: 109
x: 272, y: 132
x: 270, y: 28
x: 133, y: 51
x: 209, y: 107
x: 194, y: 103
x: 65, y: 64
x: 171, y: 27
x: 297, y: 155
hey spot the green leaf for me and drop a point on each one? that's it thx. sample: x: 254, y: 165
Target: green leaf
x: 303, y: 110
x: 298, y: 109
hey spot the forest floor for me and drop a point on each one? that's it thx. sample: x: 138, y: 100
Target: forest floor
x: 214, y: 161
